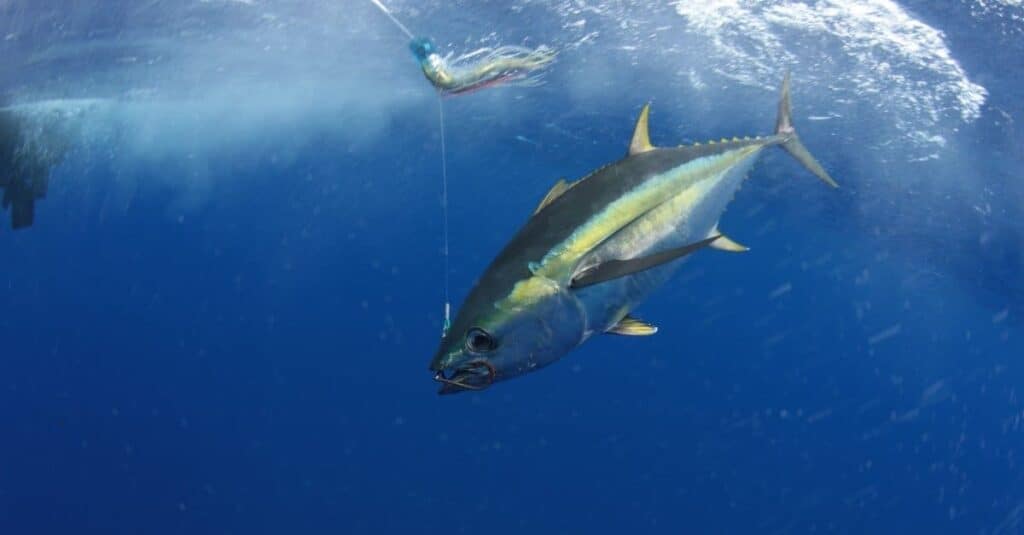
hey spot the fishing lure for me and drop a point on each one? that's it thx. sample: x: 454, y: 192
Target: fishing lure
x: 486, y: 67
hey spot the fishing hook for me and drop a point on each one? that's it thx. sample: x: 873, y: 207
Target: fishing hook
x: 491, y: 374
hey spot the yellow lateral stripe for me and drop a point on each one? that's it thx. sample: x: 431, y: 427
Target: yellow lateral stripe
x: 563, y: 257
x: 526, y: 292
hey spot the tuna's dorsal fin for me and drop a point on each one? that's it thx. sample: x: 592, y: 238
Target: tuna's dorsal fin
x: 723, y: 243
x: 641, y: 137
x: 630, y: 326
x: 614, y: 269
x: 555, y: 192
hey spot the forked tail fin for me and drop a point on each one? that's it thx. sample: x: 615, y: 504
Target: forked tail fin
x: 784, y: 128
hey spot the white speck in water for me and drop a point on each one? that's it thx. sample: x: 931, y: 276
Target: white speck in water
x: 781, y: 290
x: 886, y: 334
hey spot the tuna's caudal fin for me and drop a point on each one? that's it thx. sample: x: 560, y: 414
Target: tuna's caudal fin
x: 784, y: 129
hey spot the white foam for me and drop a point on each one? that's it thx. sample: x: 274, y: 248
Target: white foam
x: 874, y: 48
x: 1006, y: 15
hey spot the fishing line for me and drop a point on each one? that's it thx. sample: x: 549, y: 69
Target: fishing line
x: 393, y: 19
x: 444, y: 183
x: 444, y: 215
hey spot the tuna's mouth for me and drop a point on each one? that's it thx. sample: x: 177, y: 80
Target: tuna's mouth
x: 472, y: 376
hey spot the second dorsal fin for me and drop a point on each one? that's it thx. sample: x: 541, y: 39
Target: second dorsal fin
x: 641, y: 137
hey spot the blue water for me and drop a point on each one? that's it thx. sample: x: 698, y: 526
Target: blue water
x: 222, y: 318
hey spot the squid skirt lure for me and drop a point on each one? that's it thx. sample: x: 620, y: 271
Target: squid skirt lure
x: 486, y: 67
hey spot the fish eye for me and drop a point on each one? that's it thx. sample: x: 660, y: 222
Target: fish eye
x: 479, y: 341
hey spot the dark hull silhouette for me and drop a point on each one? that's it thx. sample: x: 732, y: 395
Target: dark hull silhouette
x: 28, y: 151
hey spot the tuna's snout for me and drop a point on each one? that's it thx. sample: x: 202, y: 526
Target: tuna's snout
x: 472, y: 376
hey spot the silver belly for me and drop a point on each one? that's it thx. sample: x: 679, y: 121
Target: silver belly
x: 686, y: 218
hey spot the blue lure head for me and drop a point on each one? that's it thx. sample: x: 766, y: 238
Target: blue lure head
x: 422, y: 48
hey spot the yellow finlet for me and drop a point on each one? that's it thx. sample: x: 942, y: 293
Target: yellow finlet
x: 723, y: 243
x: 641, y: 137
x: 555, y: 192
x: 630, y: 326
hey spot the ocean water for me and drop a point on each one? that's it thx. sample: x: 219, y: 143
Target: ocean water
x: 222, y: 317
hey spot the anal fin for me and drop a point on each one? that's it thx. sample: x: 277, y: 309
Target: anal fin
x: 630, y: 326
x: 723, y: 243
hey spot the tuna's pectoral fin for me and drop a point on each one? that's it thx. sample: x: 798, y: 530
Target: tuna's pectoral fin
x: 614, y: 269
x: 784, y: 129
x: 630, y: 326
